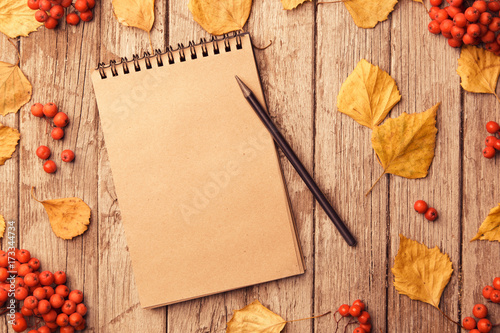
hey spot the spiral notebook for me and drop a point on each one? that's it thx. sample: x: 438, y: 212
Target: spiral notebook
x: 197, y: 176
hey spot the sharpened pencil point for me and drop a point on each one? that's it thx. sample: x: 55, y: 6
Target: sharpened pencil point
x: 246, y: 91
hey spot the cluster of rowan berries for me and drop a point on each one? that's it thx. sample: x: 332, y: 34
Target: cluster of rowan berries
x: 480, y: 311
x: 51, y: 11
x: 60, y: 120
x: 357, y: 310
x: 422, y: 208
x: 464, y: 24
x: 492, y: 142
x: 44, y: 295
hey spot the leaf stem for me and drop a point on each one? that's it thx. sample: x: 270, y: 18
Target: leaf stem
x: 19, y: 54
x: 446, y: 316
x: 33, y: 194
x: 498, y: 99
x: 314, y: 317
x: 371, y: 188
x: 325, y: 2
x: 261, y: 48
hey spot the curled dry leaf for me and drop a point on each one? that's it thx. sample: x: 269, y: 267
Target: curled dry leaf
x: 479, y: 70
x: 421, y: 273
x: 255, y: 318
x: 135, y: 13
x: 9, y: 138
x: 2, y: 226
x: 367, y: 13
x: 291, y: 4
x: 69, y: 217
x: 490, y: 229
x: 368, y: 94
x: 220, y: 16
x: 405, y: 145
x: 15, y: 89
x: 17, y: 19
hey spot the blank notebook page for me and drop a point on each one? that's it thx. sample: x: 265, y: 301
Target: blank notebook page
x: 197, y: 176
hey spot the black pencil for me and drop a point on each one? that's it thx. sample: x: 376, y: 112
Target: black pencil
x: 294, y: 160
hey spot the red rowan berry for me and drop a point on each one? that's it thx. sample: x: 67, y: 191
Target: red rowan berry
x: 34, y: 4
x: 496, y: 283
x: 57, y: 133
x: 490, y: 141
x: 492, y: 127
x: 81, y: 5
x: 433, y: 27
x: 469, y: 323
x: 51, y: 23
x: 50, y: 110
x: 480, y: 5
x: 355, y: 311
x: 480, y: 311
x: 86, y: 16
x: 61, y: 119
x: 472, y: 14
x: 41, y: 16
x: 420, y: 206
x: 49, y: 167
x: 57, y: 12
x: 43, y: 152
x: 494, y: 5
x: 72, y: 19
x: 495, y: 296
x: 489, y: 152
x: 45, y: 5
x: 484, y: 325
x: 431, y: 214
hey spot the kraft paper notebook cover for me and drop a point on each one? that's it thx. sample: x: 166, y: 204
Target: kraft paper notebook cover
x: 197, y: 175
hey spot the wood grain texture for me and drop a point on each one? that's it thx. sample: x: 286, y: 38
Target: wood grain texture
x: 424, y: 68
x: 346, y: 168
x: 315, y: 47
x: 480, y: 194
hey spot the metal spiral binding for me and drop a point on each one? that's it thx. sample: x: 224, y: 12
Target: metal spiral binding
x: 169, y: 52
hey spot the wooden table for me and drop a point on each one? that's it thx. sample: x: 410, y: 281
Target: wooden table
x: 314, y: 49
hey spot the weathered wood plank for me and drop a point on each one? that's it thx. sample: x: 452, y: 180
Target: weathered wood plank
x: 424, y: 68
x: 480, y: 194
x: 287, y: 85
x: 9, y: 172
x: 346, y: 167
x: 119, y: 309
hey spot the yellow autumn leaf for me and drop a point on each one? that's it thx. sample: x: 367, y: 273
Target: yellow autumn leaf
x: 135, y: 13
x: 405, y: 145
x: 479, y: 70
x: 367, y: 13
x: 17, y: 19
x: 69, y: 217
x: 490, y: 229
x: 255, y: 318
x: 8, y: 141
x: 218, y: 17
x: 2, y: 226
x: 421, y: 273
x: 15, y: 89
x: 368, y: 94
x: 291, y: 4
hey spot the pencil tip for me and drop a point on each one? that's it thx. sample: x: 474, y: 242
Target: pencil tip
x: 246, y: 91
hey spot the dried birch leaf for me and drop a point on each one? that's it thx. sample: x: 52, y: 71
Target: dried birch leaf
x: 367, y: 13
x: 15, y: 89
x: 479, y: 70
x: 368, y: 94
x: 9, y: 138
x: 291, y: 4
x: 17, y: 19
x: 255, y: 318
x: 490, y: 229
x: 421, y: 273
x: 220, y: 16
x: 69, y: 217
x: 135, y: 13
x: 405, y: 145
